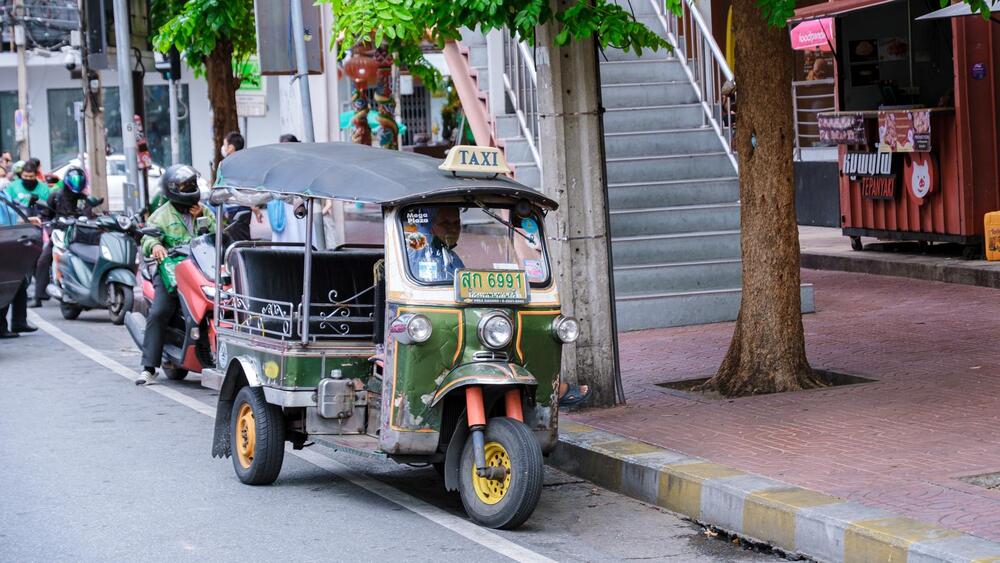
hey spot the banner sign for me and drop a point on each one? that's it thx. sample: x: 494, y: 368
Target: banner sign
x: 813, y: 34
x: 904, y: 131
x: 842, y: 129
x: 251, y: 97
x: 873, y: 172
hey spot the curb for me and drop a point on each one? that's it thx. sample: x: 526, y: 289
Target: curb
x: 888, y: 264
x: 789, y: 518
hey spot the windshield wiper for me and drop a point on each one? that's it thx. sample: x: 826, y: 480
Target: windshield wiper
x: 505, y: 222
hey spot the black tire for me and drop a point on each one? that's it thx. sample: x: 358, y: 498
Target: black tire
x: 524, y: 489
x: 69, y: 311
x: 120, y: 299
x: 268, y: 450
x: 856, y: 244
x: 175, y: 374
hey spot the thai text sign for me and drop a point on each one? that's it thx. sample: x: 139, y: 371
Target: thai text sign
x: 904, y: 131
x: 504, y: 287
x: 842, y: 129
x: 872, y: 172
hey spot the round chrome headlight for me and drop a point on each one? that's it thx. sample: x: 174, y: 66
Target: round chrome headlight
x: 495, y: 330
x: 566, y: 329
x: 411, y: 328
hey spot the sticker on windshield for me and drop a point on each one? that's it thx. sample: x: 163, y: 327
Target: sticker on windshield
x: 503, y: 266
x: 529, y: 225
x: 534, y: 270
x: 416, y: 241
x: 417, y: 217
x: 427, y: 270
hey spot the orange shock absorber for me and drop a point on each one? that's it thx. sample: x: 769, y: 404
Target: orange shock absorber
x: 512, y: 402
x: 474, y: 406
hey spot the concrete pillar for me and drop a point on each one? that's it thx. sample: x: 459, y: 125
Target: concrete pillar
x: 495, y: 66
x: 572, y: 151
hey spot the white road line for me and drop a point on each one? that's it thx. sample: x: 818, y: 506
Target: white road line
x: 460, y: 526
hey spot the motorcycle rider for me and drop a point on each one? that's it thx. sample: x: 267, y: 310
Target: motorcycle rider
x: 177, y: 221
x: 68, y: 199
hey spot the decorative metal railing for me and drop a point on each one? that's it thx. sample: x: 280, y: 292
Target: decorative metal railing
x: 705, y: 65
x: 350, y: 318
x: 809, y: 99
x: 521, y: 87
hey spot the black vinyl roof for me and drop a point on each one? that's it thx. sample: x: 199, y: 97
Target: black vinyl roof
x: 353, y: 172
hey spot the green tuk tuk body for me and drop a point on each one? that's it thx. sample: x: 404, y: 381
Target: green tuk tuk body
x: 402, y: 351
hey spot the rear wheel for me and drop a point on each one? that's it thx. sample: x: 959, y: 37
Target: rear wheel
x: 257, y: 437
x: 119, y: 302
x: 69, y: 311
x: 175, y: 374
x: 506, y: 503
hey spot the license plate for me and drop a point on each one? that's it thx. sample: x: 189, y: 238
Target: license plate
x: 502, y: 287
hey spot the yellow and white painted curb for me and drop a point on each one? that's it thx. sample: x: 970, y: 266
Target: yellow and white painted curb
x: 790, y: 518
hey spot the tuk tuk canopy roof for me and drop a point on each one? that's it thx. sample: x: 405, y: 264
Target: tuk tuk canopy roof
x: 353, y: 172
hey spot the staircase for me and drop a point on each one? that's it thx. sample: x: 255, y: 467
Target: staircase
x: 673, y: 189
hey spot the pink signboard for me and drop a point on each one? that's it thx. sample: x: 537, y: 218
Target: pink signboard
x: 813, y: 34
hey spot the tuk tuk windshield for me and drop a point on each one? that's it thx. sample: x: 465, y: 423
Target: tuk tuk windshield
x: 441, y: 239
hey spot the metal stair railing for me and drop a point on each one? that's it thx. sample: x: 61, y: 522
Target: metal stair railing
x: 705, y: 66
x: 521, y: 87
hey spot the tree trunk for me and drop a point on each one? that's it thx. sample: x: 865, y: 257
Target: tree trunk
x: 222, y: 88
x: 767, y: 353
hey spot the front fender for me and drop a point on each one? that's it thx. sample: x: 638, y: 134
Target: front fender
x: 482, y: 373
x: 121, y: 275
x: 241, y: 371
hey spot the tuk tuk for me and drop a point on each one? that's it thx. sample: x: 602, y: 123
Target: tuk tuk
x: 441, y: 345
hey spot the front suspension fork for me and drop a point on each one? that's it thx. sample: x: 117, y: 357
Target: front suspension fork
x: 476, y: 411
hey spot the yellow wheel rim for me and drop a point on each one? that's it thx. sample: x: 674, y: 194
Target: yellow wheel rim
x: 488, y: 490
x: 246, y: 436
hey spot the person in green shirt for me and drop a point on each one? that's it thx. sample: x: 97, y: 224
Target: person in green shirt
x: 177, y: 220
x: 27, y: 189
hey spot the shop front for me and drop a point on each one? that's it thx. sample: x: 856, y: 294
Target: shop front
x: 915, y: 121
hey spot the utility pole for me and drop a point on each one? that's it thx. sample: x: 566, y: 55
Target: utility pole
x: 123, y: 48
x: 573, y: 174
x: 21, y: 40
x: 175, y: 128
x: 302, y: 69
x: 93, y: 116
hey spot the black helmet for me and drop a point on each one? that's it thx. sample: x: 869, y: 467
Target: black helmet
x: 179, y: 185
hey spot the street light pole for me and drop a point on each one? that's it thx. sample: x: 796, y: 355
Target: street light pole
x: 302, y: 69
x: 175, y: 129
x: 21, y: 40
x: 125, y: 97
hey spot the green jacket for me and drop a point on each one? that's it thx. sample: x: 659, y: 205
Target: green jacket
x: 171, y: 223
x: 22, y: 195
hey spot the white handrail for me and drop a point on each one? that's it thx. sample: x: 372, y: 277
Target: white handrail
x: 521, y: 85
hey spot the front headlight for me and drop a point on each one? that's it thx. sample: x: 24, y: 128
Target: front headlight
x: 495, y: 330
x: 565, y: 329
x: 411, y: 328
x: 123, y: 222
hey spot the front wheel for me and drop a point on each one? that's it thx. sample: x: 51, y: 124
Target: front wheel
x: 119, y: 302
x: 69, y: 311
x: 508, y: 503
x: 257, y: 437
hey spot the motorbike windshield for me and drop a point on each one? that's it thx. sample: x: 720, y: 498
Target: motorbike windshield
x: 441, y: 239
x: 203, y: 254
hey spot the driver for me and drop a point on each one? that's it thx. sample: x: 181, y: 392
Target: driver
x: 177, y: 221
x: 436, y: 261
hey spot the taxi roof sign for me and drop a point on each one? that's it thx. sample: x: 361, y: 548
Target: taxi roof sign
x: 467, y: 158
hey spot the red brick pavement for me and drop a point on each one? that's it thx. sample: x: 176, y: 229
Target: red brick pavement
x: 898, y: 443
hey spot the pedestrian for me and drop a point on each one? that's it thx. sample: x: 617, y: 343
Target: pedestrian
x: 26, y: 190
x: 5, y: 161
x: 19, y: 305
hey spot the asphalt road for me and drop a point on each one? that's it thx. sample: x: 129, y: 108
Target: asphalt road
x: 97, y: 469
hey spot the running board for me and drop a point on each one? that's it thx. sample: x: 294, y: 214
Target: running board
x: 357, y: 444
x: 212, y: 379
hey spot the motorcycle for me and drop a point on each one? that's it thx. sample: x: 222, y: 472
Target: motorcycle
x: 93, y: 265
x: 189, y: 345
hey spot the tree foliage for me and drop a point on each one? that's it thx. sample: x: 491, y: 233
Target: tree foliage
x: 195, y: 27
x: 403, y: 26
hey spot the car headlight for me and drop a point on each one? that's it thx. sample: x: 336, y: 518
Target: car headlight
x: 411, y: 328
x: 566, y: 329
x: 495, y: 330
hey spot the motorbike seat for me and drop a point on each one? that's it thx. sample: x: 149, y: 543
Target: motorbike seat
x: 277, y: 274
x: 89, y: 253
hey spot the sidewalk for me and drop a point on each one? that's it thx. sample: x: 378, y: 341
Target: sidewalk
x: 828, y: 249
x: 899, y: 444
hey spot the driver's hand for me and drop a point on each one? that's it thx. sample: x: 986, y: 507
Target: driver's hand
x: 159, y: 253
x: 195, y: 211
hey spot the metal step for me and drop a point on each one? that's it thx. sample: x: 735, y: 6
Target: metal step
x: 642, y: 70
x: 516, y: 149
x: 698, y: 191
x: 653, y: 118
x: 673, y: 220
x: 688, y: 308
x: 678, y: 276
x: 616, y: 55
x: 685, y: 247
x: 664, y: 93
x: 660, y: 168
x: 507, y: 126
x: 527, y: 173
x: 663, y: 142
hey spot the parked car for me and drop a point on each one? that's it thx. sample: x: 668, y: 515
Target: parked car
x: 116, y: 174
x: 20, y: 246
